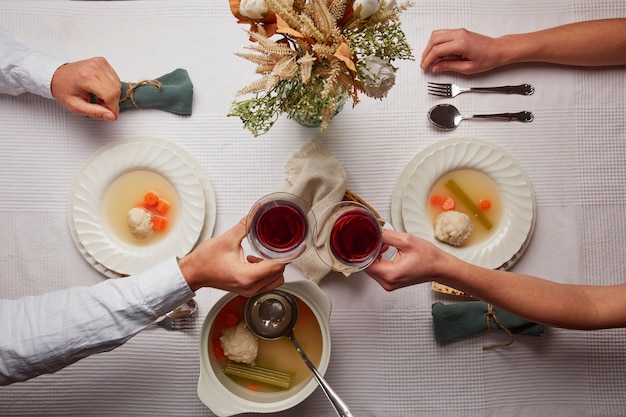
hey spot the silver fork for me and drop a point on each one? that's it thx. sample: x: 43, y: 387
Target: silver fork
x: 168, y: 323
x: 453, y: 90
x: 181, y: 318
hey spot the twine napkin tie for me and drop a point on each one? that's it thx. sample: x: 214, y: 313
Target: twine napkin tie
x: 455, y: 321
x: 130, y: 90
x: 172, y: 92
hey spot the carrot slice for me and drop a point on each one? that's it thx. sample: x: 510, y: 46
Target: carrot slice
x: 436, y: 200
x: 162, y: 206
x: 448, y: 204
x: 217, y: 349
x: 159, y: 222
x: 231, y: 319
x: 151, y: 198
x: 484, y: 204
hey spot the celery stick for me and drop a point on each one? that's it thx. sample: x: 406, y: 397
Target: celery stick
x: 465, y: 199
x: 256, y: 373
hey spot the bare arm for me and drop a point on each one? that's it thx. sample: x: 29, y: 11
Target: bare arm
x: 537, y: 299
x: 589, y: 43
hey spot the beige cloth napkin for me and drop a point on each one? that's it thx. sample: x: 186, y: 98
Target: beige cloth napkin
x: 317, y: 177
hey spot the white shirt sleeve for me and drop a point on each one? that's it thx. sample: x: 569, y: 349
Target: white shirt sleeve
x: 23, y: 69
x: 44, y: 333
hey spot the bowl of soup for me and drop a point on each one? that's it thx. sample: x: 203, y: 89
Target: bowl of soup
x: 227, y: 393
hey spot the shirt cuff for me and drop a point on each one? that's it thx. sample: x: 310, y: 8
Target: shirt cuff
x: 40, y: 68
x: 164, y: 287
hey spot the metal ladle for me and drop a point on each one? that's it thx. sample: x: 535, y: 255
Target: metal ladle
x: 272, y: 315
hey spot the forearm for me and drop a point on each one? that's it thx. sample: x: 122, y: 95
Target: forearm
x: 536, y: 299
x: 53, y: 330
x: 590, y: 43
x: 540, y: 300
x: 23, y: 69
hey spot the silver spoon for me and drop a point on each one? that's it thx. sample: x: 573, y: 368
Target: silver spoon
x: 180, y: 317
x: 272, y: 315
x: 448, y: 117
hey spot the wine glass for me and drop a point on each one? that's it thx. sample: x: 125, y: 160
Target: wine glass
x: 352, y: 237
x: 281, y: 226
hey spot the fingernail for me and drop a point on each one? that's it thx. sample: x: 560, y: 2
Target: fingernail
x: 109, y: 117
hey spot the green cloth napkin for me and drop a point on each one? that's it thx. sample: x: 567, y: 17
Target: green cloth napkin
x: 454, y: 321
x: 171, y: 92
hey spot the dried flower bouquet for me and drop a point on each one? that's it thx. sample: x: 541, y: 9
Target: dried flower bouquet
x: 314, y: 54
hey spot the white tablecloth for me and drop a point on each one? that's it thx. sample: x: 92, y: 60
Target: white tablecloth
x: 384, y: 357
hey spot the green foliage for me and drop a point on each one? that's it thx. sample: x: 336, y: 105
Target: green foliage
x: 258, y: 113
x: 386, y: 42
x: 293, y: 97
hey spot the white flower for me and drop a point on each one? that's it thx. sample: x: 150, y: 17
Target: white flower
x: 378, y: 77
x: 364, y: 8
x: 257, y: 9
x: 253, y: 9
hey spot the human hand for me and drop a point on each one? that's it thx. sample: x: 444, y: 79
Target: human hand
x: 219, y: 263
x: 460, y: 50
x: 417, y: 261
x: 74, y: 83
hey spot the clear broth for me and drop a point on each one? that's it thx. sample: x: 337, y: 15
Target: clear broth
x: 477, y: 185
x: 126, y: 192
x: 279, y: 355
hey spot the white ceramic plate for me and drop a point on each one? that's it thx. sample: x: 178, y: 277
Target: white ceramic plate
x: 509, y: 241
x: 99, y: 246
x: 209, y: 196
x: 403, y: 180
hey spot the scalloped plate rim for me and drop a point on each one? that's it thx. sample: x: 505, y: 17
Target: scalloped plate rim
x: 504, y: 261
x: 125, y: 261
x: 209, y: 195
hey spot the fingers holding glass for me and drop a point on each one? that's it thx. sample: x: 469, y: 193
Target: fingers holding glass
x: 280, y: 227
x: 352, y: 236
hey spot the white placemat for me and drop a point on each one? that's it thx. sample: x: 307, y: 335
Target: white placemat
x: 384, y: 359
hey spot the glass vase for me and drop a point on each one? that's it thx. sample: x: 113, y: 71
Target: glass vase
x: 311, y: 115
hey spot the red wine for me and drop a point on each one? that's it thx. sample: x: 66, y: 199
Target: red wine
x: 355, y: 237
x: 280, y: 226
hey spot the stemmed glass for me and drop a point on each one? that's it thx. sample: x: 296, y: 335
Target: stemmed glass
x: 281, y: 227
x: 352, y: 236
